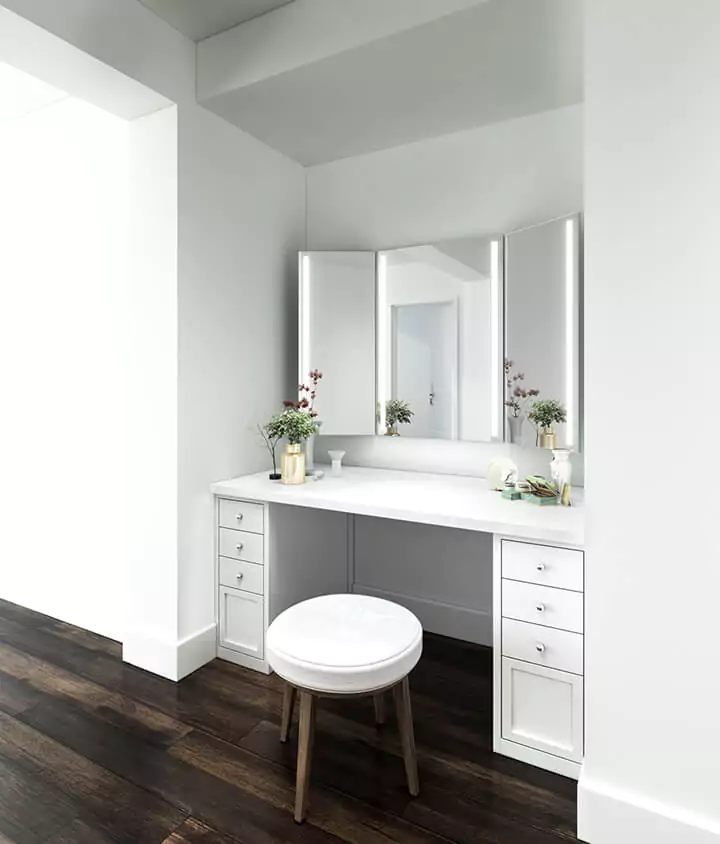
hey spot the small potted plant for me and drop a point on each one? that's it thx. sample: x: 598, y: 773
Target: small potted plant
x: 397, y: 412
x: 296, y: 424
x: 517, y: 399
x: 544, y: 414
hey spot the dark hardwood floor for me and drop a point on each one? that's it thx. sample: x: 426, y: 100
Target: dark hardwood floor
x: 93, y: 751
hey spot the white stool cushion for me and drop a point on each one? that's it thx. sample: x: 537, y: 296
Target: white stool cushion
x: 344, y: 644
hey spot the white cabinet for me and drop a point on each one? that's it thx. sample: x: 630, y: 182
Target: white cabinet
x: 538, y: 623
x: 542, y: 708
x: 242, y: 582
x: 241, y: 622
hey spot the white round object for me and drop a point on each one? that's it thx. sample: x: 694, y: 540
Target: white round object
x: 501, y: 470
x: 344, y: 644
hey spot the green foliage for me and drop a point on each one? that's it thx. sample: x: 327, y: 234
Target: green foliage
x: 546, y: 412
x: 292, y: 424
x: 398, y: 412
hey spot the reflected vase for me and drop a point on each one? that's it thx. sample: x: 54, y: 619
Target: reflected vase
x: 310, y: 451
x: 292, y: 464
x: 561, y: 472
x: 515, y: 426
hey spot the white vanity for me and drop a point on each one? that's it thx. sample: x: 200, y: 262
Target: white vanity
x: 278, y: 544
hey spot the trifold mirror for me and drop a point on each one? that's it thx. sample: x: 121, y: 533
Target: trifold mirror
x: 430, y: 341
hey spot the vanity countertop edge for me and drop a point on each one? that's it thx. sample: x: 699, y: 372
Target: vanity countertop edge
x: 443, y: 500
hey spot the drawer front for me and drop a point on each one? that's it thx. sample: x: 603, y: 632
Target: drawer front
x: 543, y: 605
x: 240, y: 545
x: 543, y: 708
x: 542, y: 645
x: 543, y: 564
x: 241, y: 575
x: 241, y: 621
x: 241, y: 515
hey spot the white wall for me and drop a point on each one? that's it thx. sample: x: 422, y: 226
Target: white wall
x: 63, y: 172
x: 480, y: 182
x: 241, y: 225
x: 652, y: 767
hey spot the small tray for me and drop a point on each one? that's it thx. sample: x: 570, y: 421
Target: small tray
x: 539, y: 499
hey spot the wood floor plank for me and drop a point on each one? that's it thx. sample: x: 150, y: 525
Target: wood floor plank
x: 341, y: 816
x: 234, y: 807
x: 195, y: 832
x: 126, y: 811
x: 80, y: 832
x: 15, y: 695
x: 30, y: 809
x: 42, y: 677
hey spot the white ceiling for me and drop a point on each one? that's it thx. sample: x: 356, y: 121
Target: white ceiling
x: 495, y: 61
x: 21, y: 94
x: 198, y: 19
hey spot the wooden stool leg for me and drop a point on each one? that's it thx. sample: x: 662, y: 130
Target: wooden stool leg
x: 287, y: 711
x: 305, y: 745
x: 379, y: 701
x: 401, y: 692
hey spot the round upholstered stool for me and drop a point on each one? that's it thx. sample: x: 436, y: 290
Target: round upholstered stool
x: 338, y: 646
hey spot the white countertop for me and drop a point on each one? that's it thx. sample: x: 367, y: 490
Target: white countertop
x: 446, y: 500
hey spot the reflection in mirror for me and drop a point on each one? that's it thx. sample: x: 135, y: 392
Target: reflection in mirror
x: 542, y: 313
x: 337, y: 336
x: 439, y: 339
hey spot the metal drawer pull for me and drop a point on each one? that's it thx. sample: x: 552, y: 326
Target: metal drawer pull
x: 239, y: 547
x: 239, y: 517
x: 240, y: 576
x: 540, y: 607
x: 540, y: 648
x: 540, y: 566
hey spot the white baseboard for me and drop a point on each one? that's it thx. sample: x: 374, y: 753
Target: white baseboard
x: 173, y: 660
x: 470, y: 625
x: 612, y: 816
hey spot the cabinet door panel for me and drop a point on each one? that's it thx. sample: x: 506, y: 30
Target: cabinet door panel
x: 241, y: 621
x: 542, y: 708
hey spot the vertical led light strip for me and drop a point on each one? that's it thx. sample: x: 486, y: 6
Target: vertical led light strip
x: 570, y: 289
x: 383, y: 341
x: 495, y: 338
x: 304, y: 327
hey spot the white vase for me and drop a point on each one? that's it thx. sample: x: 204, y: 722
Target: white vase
x: 561, y: 469
x: 515, y: 426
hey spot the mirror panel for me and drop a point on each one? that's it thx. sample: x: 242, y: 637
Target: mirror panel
x: 337, y: 336
x: 439, y: 338
x: 542, y: 319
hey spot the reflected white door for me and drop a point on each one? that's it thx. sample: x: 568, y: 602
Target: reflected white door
x: 424, y: 367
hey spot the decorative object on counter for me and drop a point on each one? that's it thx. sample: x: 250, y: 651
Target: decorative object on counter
x: 516, y: 401
x: 296, y: 424
x: 271, y: 441
x: 561, y: 473
x: 542, y: 491
x: 511, y: 492
x: 544, y: 414
x: 397, y: 412
x: 501, y: 472
x: 310, y: 450
x: 336, y: 458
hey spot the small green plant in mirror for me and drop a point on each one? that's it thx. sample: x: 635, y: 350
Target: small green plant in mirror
x: 397, y: 412
x: 544, y: 414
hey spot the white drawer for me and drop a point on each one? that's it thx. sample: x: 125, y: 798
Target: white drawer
x: 543, y: 564
x: 240, y: 545
x: 241, y: 622
x: 241, y: 575
x: 543, y: 645
x: 543, y: 605
x: 241, y: 515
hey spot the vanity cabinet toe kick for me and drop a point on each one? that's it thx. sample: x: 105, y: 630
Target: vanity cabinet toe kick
x: 538, y: 631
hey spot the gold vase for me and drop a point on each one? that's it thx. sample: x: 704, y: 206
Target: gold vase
x: 292, y: 464
x: 548, y: 438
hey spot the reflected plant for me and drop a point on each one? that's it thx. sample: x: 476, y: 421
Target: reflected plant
x: 544, y: 414
x: 517, y: 397
x: 397, y: 412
